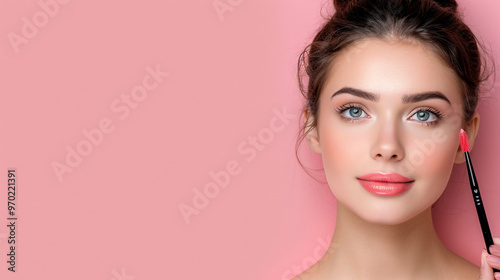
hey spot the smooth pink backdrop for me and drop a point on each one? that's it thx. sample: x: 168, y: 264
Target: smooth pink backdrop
x: 231, y: 80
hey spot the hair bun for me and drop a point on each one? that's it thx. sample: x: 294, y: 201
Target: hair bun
x: 449, y: 4
x: 344, y: 5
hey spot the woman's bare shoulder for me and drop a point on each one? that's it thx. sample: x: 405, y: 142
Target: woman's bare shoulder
x: 461, y: 269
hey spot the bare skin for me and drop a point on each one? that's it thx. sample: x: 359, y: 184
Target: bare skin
x: 390, y: 237
x: 388, y: 252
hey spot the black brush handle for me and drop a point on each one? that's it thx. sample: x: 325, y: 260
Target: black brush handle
x: 481, y: 213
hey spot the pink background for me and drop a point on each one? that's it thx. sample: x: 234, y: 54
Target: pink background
x: 116, y: 214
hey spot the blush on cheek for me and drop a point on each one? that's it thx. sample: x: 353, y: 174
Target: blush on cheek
x: 430, y: 146
x: 438, y: 166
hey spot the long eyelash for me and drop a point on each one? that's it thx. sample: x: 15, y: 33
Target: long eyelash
x: 341, y: 109
x: 346, y: 107
x: 437, y: 113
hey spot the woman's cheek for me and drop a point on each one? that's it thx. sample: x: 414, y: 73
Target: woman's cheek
x: 343, y: 157
x: 343, y: 149
x: 334, y: 158
x: 438, y: 165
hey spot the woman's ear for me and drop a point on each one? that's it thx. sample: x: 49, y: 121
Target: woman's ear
x: 311, y: 132
x: 472, y: 128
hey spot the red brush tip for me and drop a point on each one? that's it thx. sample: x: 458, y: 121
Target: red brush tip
x: 464, y: 141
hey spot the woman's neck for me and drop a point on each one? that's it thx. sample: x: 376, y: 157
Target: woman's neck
x: 363, y: 250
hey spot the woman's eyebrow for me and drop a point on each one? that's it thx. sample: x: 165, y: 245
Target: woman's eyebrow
x: 357, y: 92
x: 417, y: 97
x: 407, y: 98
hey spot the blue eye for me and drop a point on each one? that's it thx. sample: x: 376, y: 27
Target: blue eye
x: 354, y: 112
x: 351, y: 111
x: 428, y: 116
x: 423, y: 116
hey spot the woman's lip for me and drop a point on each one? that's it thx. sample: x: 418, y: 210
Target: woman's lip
x: 385, y: 177
x: 385, y: 188
x: 385, y: 184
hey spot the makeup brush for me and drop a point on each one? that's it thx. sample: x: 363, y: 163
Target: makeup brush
x: 488, y: 240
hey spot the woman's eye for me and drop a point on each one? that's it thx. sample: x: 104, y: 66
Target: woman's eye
x: 354, y: 113
x: 424, y: 116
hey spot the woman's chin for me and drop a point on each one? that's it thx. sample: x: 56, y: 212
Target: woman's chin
x: 389, y: 216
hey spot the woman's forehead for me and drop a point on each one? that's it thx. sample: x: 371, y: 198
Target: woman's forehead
x: 392, y: 67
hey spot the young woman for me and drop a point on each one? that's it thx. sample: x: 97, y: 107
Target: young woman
x: 390, y: 85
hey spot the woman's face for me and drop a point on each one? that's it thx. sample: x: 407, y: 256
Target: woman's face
x: 388, y: 124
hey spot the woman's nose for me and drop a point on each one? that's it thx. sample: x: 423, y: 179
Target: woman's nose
x: 387, y: 145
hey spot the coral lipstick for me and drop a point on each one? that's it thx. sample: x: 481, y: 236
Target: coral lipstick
x: 385, y: 184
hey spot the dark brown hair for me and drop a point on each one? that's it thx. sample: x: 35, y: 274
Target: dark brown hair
x: 435, y: 23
